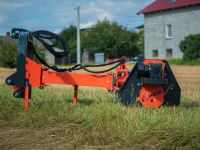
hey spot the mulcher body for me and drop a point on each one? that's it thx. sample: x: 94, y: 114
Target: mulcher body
x: 150, y: 83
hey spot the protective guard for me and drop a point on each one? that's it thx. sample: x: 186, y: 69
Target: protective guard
x: 151, y: 83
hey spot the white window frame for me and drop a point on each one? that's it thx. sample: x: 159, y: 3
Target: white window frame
x: 167, y: 31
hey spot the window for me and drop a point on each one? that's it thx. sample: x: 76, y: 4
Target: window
x: 169, y: 53
x: 169, y: 31
x: 155, y: 53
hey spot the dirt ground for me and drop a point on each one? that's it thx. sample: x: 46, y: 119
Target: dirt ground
x: 5, y: 72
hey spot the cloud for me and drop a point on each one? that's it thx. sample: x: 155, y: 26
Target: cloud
x: 12, y: 5
x: 57, y: 31
x: 87, y: 25
x: 100, y: 13
x: 2, y: 18
x: 122, y: 11
x: 65, y: 16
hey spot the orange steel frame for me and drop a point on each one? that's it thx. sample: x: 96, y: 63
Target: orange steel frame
x: 39, y: 77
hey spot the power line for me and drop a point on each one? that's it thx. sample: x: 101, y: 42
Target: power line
x: 36, y: 17
x: 54, y: 13
x: 53, y: 27
x: 127, y: 16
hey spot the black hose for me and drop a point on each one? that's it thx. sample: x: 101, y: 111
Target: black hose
x: 43, y: 35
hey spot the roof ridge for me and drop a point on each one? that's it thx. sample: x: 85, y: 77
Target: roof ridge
x: 162, y: 5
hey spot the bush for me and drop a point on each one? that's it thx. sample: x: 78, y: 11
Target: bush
x: 8, y: 53
x: 184, y: 62
x: 190, y: 47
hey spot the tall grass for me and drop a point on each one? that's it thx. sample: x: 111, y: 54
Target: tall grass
x: 97, y: 122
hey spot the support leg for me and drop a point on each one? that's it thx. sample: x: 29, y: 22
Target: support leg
x: 26, y: 99
x: 75, y: 94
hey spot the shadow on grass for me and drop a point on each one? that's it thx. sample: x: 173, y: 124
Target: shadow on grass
x: 82, y: 101
x: 188, y: 103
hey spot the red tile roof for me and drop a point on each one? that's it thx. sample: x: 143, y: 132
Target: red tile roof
x: 161, y: 5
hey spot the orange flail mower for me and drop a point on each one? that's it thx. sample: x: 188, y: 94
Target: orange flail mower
x: 151, y: 83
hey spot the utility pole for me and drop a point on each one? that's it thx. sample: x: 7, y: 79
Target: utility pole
x: 78, y: 36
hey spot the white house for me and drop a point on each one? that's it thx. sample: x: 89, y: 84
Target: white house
x: 166, y: 23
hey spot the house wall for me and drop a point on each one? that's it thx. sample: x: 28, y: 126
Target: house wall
x: 184, y: 21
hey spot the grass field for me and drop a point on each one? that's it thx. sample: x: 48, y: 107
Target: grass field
x: 99, y: 121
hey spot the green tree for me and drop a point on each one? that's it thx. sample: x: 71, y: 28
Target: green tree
x: 69, y: 36
x: 140, y: 41
x: 190, y: 47
x: 8, y: 52
x: 110, y: 38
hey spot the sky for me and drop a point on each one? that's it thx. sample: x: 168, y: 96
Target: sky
x: 54, y: 15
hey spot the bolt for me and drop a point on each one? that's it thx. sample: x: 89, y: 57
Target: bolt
x: 16, y: 94
x: 9, y: 81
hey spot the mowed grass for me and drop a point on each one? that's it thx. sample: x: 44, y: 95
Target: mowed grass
x: 98, y: 121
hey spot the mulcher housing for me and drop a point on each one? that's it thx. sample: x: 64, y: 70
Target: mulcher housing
x: 158, y: 82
